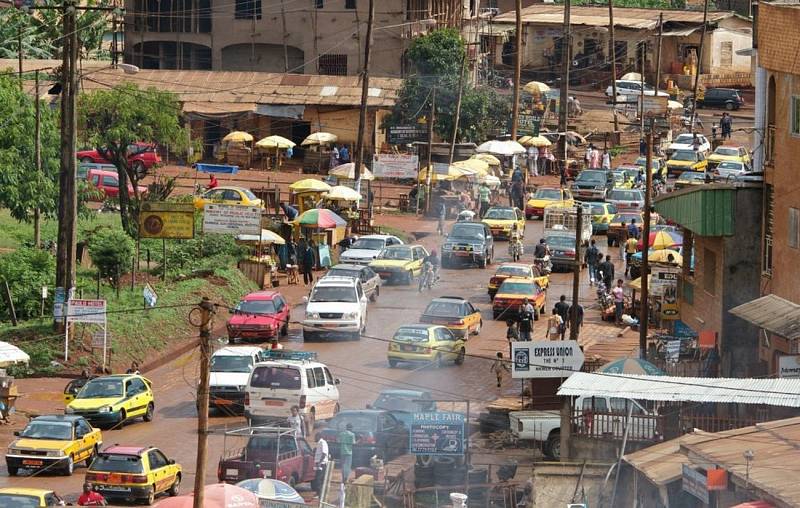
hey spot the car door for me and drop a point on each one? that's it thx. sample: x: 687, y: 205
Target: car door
x: 162, y: 478
x: 135, y: 390
x: 374, y: 277
x: 366, y: 282
x: 232, y: 197
x: 468, y: 316
x: 110, y: 186
x: 85, y: 439
x: 307, y: 454
x: 445, y: 343
x: 416, y: 264
x: 283, y: 311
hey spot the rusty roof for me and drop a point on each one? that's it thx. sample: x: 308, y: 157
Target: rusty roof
x: 640, y: 19
x: 662, y: 462
x: 772, y: 313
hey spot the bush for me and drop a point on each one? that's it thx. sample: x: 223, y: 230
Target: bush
x: 111, y: 250
x: 26, y: 270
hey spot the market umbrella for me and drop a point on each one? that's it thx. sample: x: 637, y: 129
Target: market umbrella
x: 238, y: 137
x: 217, y: 495
x: 266, y: 236
x: 342, y: 193
x: 536, y: 88
x: 487, y: 158
x: 631, y: 76
x: 11, y: 354
x: 275, y: 142
x: 663, y: 240
x: 674, y: 105
x: 536, y: 141
x: 491, y: 181
x: 453, y: 172
x: 319, y: 138
x: 501, y: 147
x: 320, y: 218
x: 637, y: 283
x: 309, y: 185
x: 348, y: 171
x: 274, y: 490
x: 661, y: 256
x: 474, y: 165
x: 631, y: 366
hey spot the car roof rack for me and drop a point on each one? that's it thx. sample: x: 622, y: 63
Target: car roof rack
x: 287, y: 354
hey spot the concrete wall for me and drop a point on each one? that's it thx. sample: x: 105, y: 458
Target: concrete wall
x: 738, y: 40
x: 704, y: 312
x: 554, y: 483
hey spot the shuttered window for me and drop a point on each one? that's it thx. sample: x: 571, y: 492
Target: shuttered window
x: 793, y: 235
x: 769, y: 221
x: 726, y: 54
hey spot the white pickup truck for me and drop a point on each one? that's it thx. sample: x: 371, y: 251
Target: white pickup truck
x: 599, y: 417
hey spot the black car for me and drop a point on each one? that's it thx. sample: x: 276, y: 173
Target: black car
x: 470, y: 242
x: 727, y: 98
x: 377, y: 432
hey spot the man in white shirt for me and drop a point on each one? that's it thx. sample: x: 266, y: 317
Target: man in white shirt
x: 533, y: 159
x: 588, y: 156
x: 321, y: 458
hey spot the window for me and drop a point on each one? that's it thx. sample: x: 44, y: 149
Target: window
x: 350, y: 4
x: 231, y: 195
x: 157, y: 459
x: 136, y: 386
x: 248, y: 9
x: 276, y: 377
x: 319, y: 376
x: 328, y: 376
x: 709, y: 271
x: 82, y: 428
x: 595, y: 404
x: 333, y: 65
x: 795, y: 117
x: 769, y: 218
x: 311, y: 378
x: 794, y: 228
x: 319, y: 4
x: 726, y: 54
x: 110, y: 181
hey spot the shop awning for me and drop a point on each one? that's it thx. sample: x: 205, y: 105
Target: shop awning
x: 772, y: 313
x: 681, y: 32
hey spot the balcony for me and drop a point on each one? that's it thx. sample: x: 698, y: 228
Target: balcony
x: 769, y: 146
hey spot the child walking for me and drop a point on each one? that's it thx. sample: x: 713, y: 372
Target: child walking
x: 498, y: 367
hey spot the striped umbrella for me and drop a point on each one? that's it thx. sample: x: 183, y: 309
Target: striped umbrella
x: 274, y: 490
x: 663, y: 240
x: 320, y: 218
x: 631, y: 366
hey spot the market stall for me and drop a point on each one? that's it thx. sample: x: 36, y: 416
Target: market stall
x: 306, y: 193
x: 276, y: 145
x: 325, y: 228
x: 262, y: 263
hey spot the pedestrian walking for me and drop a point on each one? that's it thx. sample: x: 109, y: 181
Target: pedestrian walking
x: 593, y: 258
x: 561, y: 309
x: 295, y: 421
x: 321, y: 459
x: 642, y: 146
x: 619, y: 301
x: 483, y: 195
x: 533, y: 159
x: 526, y: 314
x: 498, y: 367
x: 344, y: 155
x: 607, y: 269
x: 442, y: 216
x: 307, y: 262
x: 587, y: 157
x: 346, y: 440
x: 334, y: 156
x: 622, y: 237
x: 563, y: 180
x: 606, y: 159
x: 576, y: 307
x: 726, y: 124
x: 512, y: 332
x: 596, y: 158
x: 633, y: 229
x: 630, y: 249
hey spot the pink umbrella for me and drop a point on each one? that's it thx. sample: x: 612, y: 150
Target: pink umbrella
x: 218, y: 495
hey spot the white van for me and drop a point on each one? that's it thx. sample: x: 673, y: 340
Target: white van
x: 290, y: 378
x: 230, y: 370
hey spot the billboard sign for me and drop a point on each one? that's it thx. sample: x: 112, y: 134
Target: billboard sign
x: 395, y: 165
x: 789, y: 366
x: 437, y: 433
x: 652, y: 105
x: 405, y: 134
x: 166, y: 220
x: 86, y: 311
x: 231, y: 219
x: 695, y: 483
x: 545, y: 358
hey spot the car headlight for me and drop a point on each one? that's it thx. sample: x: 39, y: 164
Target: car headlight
x: 350, y: 315
x: 69, y: 410
x: 55, y: 453
x: 240, y: 388
x: 475, y: 246
x: 105, y: 409
x: 448, y: 246
x: 15, y: 451
x: 313, y: 315
x: 394, y: 347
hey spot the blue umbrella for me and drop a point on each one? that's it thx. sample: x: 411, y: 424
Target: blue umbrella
x: 631, y: 366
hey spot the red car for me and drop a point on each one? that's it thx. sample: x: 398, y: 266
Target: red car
x: 260, y: 316
x: 108, y: 183
x: 141, y: 157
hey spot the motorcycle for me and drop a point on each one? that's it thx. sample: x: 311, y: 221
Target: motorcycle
x: 543, y: 265
x: 428, y: 277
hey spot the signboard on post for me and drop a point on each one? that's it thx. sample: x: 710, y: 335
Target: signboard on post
x: 395, y: 165
x: 166, y: 220
x: 437, y: 433
x: 232, y: 219
x: 662, y: 278
x: 789, y: 366
x: 529, y: 124
x: 545, y: 358
x: 441, y: 168
x: 653, y: 105
x: 149, y: 295
x: 695, y: 483
x: 90, y: 312
x: 405, y: 134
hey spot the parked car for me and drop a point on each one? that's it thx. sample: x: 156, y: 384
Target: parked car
x: 469, y: 242
x: 728, y: 153
x: 731, y: 169
x: 230, y: 370
x: 134, y: 473
x: 591, y: 185
x: 269, y: 453
x: 26, y: 497
x: 685, y: 141
x: 432, y: 344
x: 227, y: 196
x: 141, y: 157
x: 377, y: 433
x: 84, y: 167
x: 454, y: 312
x: 545, y: 196
x: 631, y: 87
x: 626, y: 199
x: 259, y: 316
x: 370, y: 281
x: 501, y: 220
x: 400, y: 263
x: 508, y: 300
x: 337, y: 307
x: 563, y: 255
x: 364, y: 250
x: 113, y: 400
x: 728, y: 98
x: 686, y: 160
x: 53, y: 443
x: 402, y: 403
x: 107, y: 182
x: 602, y: 213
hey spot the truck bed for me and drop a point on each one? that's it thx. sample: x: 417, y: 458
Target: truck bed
x: 534, y: 425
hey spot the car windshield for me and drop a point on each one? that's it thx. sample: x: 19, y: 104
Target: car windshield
x: 19, y: 501
x: 61, y: 431
x: 730, y: 165
x: 256, y: 307
x: 443, y: 309
x: 399, y: 254
x: 519, y: 288
x: 111, y: 463
x: 626, y: 218
x: 287, y: 378
x: 368, y: 244
x: 408, y: 334
x: 598, y: 210
x: 684, y: 139
x: 334, y: 294
x: 547, y: 194
x: 625, y: 195
x: 230, y: 363
x: 514, y: 271
x: 101, y: 388
x: 407, y: 404
x: 685, y: 155
x: 342, y: 272
x: 361, y: 423
x: 561, y: 242
x: 591, y: 176
x: 467, y: 232
x: 721, y: 150
x: 500, y: 214
x: 689, y: 176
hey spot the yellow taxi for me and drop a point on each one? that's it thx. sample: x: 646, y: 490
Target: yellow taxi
x: 112, y: 400
x: 454, y: 312
x: 602, y: 214
x: 621, y: 180
x: 136, y: 473
x: 400, y: 263
x: 501, y: 220
x: 546, y: 196
x: 227, y: 196
x: 53, y: 443
x: 511, y: 293
x: 686, y: 160
x: 425, y: 343
x: 728, y: 153
x: 690, y: 179
x: 29, y: 498
x: 507, y: 270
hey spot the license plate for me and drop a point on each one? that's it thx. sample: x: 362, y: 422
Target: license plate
x: 409, y: 348
x: 111, y: 488
x: 31, y: 462
x: 384, y: 275
x: 273, y: 402
x: 232, y: 472
x: 329, y: 325
x: 266, y: 473
x: 462, y: 253
x: 221, y: 402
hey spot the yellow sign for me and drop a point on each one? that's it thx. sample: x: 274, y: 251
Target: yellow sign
x: 166, y: 220
x: 670, y: 309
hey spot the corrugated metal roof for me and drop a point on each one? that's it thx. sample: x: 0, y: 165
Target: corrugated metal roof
x: 662, y: 463
x: 706, y: 210
x: 772, y: 392
x: 681, y: 32
x: 772, y: 313
x: 646, y: 19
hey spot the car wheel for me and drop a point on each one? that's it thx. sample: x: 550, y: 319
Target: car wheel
x: 437, y: 362
x: 392, y: 363
x: 729, y: 106
x: 285, y: 328
x: 409, y: 278
x: 536, y: 314
x: 13, y: 470
x: 151, y: 496
x: 122, y: 417
x: 90, y: 458
x: 460, y: 358
x: 69, y: 467
x: 176, y: 487
x: 495, y: 314
x: 148, y: 414
x: 478, y: 328
x: 482, y: 262
x: 528, y: 216
x: 308, y: 336
x: 553, y: 446
x: 374, y: 296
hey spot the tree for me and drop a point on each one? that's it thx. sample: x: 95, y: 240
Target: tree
x: 22, y: 188
x: 111, y: 120
x: 436, y: 59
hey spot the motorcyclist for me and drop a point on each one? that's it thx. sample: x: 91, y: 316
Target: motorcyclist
x: 433, y: 259
x: 541, y: 256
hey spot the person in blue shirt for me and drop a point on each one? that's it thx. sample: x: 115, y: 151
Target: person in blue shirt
x: 344, y: 155
x: 633, y: 229
x: 290, y: 211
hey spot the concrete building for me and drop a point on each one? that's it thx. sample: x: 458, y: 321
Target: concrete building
x: 295, y: 36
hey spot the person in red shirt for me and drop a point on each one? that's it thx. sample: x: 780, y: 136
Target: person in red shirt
x: 212, y: 182
x: 90, y: 497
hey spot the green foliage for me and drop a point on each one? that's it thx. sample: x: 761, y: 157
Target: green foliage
x: 437, y: 55
x: 160, y: 188
x: 111, y: 250
x: 26, y: 271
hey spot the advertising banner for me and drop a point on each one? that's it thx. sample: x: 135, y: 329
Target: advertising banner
x: 232, y: 219
x: 545, y: 358
x: 166, y: 220
x: 437, y: 433
x: 391, y: 165
x: 86, y: 311
x: 405, y: 134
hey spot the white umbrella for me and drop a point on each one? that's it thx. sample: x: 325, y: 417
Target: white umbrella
x: 674, y: 105
x: 631, y: 76
x: 342, y: 193
x: 501, y: 147
x: 348, y: 171
x: 491, y: 181
x: 11, y: 354
x: 267, y: 236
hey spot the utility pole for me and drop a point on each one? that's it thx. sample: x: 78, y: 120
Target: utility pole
x: 641, y: 84
x: 429, y: 175
x: 517, y: 72
x: 458, y: 107
x: 283, y: 37
x: 206, y: 312
x: 362, y: 117
x: 37, y: 157
x: 648, y: 183
x: 576, y: 277
x: 699, y: 64
x: 613, y: 53
x: 658, y: 49
x: 68, y: 197
x: 566, y: 60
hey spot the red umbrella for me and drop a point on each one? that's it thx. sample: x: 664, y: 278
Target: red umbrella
x: 662, y: 240
x: 218, y: 495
